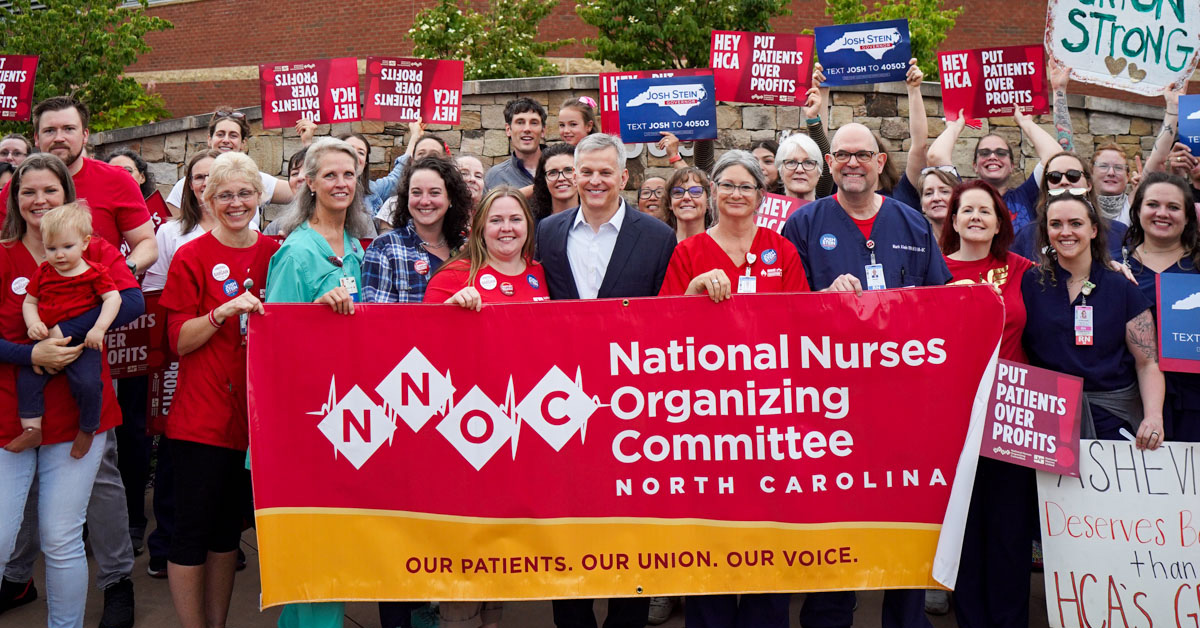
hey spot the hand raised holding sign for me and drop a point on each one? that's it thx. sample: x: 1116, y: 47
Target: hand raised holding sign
x: 914, y: 76
x: 1060, y: 74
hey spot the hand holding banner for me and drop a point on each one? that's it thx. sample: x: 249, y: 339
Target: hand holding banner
x: 869, y: 52
x: 324, y: 91
x: 761, y: 68
x: 991, y: 82
x: 17, y: 76
x: 407, y: 90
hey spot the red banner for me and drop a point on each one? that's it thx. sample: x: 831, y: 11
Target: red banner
x: 1033, y: 419
x: 324, y: 91
x: 405, y: 90
x: 761, y: 68
x: 990, y: 82
x: 774, y: 210
x: 665, y: 446
x: 610, y: 114
x: 141, y: 346
x: 17, y: 75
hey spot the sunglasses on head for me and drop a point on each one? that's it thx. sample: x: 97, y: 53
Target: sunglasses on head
x: 236, y: 115
x: 1055, y: 177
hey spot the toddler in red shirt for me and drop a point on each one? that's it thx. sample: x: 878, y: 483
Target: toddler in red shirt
x: 65, y: 287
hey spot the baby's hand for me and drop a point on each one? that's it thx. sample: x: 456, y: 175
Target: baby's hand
x: 94, y: 339
x: 38, y: 331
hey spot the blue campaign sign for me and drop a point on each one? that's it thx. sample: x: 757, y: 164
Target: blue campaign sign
x: 1179, y: 321
x: 871, y: 52
x: 683, y: 105
x: 1189, y: 122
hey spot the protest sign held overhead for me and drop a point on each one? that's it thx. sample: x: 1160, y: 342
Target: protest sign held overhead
x: 1120, y: 542
x: 405, y: 90
x: 1179, y: 321
x: 991, y: 82
x: 761, y: 68
x: 1139, y: 47
x: 683, y: 105
x: 17, y: 75
x: 610, y: 109
x: 743, y: 450
x: 871, y: 52
x: 1033, y: 419
x: 324, y: 91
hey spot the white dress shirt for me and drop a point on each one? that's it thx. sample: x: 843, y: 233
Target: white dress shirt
x: 589, y: 251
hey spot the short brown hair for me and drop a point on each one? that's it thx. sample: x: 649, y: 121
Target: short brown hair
x: 229, y: 113
x: 58, y: 103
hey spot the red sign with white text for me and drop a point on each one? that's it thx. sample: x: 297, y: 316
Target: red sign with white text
x: 658, y: 446
x: 610, y: 115
x: 141, y: 346
x: 17, y: 75
x: 761, y: 68
x: 991, y: 82
x: 407, y: 90
x: 774, y: 210
x: 324, y: 91
x: 1033, y: 419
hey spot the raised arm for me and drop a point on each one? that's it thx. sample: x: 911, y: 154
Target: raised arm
x: 1060, y: 77
x: 941, y: 152
x: 815, y: 111
x: 1044, y: 144
x: 1166, y: 135
x: 918, y: 123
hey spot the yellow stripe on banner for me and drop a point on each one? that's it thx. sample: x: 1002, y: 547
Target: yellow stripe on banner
x: 311, y: 554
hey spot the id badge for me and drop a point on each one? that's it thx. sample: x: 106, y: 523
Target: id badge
x: 747, y: 284
x: 351, y: 286
x: 875, y: 280
x: 1083, y: 325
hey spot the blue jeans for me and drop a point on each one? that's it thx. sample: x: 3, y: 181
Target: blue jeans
x: 65, y: 486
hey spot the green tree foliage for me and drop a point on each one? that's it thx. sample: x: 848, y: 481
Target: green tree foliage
x: 656, y: 34
x: 84, y: 47
x: 928, y: 22
x: 501, y: 43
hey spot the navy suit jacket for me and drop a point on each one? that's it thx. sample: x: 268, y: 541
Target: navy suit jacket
x: 636, y: 268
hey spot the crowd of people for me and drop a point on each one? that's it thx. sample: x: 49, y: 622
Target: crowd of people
x: 549, y: 222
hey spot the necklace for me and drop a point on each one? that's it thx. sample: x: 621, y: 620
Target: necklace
x: 1146, y: 250
x: 434, y: 245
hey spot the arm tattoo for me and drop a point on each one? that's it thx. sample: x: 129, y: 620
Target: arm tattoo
x: 1168, y: 130
x: 1062, y: 121
x: 1140, y: 335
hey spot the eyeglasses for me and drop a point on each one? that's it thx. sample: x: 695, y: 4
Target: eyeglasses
x: 236, y: 115
x: 652, y: 193
x: 1055, y: 177
x: 199, y: 178
x: 1118, y: 168
x: 842, y: 156
x: 555, y: 175
x: 244, y: 195
x: 12, y: 153
x: 947, y: 169
x: 808, y: 164
x: 729, y: 188
x: 988, y: 152
x: 695, y: 192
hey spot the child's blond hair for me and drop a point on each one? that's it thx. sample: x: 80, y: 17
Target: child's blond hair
x: 59, y: 220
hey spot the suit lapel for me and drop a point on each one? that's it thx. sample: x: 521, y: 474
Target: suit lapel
x: 627, y: 240
x: 561, y: 248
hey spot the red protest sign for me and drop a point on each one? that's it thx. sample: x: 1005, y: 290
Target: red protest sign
x: 404, y: 90
x: 761, y: 68
x: 17, y: 74
x: 991, y: 82
x: 610, y: 117
x: 161, y: 392
x: 324, y: 91
x: 671, y: 428
x: 141, y: 346
x: 775, y: 209
x: 1033, y: 419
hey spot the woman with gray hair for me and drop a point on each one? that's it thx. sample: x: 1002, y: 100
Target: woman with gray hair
x: 800, y: 166
x: 735, y: 255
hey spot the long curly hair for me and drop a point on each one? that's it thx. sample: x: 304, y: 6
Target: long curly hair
x: 1190, y: 238
x: 543, y: 203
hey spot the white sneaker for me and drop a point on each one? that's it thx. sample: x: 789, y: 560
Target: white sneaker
x: 937, y: 602
x: 660, y: 610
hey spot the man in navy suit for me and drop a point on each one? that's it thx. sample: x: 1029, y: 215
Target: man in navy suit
x: 602, y: 249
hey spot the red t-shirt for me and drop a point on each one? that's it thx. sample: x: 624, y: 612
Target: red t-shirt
x: 865, y: 226
x: 210, y: 399
x: 776, y: 265
x: 112, y: 195
x: 63, y: 298
x: 493, y: 287
x: 61, y: 421
x: 1007, y: 275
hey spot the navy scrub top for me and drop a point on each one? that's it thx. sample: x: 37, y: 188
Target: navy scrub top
x: 831, y: 245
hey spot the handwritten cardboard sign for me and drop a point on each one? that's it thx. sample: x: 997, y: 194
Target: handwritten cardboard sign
x: 324, y: 91
x: 405, y: 90
x: 683, y: 105
x: 17, y: 74
x: 1179, y: 322
x: 992, y: 82
x: 610, y: 109
x: 1140, y: 47
x: 1033, y: 419
x: 761, y: 68
x: 870, y: 52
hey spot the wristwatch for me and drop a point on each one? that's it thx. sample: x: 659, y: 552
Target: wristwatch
x: 132, y: 266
